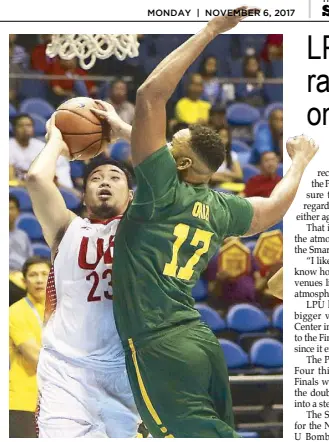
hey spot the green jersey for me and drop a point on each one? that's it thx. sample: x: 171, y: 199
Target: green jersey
x: 164, y: 242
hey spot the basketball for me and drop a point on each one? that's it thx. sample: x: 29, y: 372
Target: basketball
x: 85, y: 135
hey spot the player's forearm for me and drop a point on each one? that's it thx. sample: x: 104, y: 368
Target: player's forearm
x: 270, y: 211
x: 43, y: 167
x: 285, y: 191
x: 163, y: 80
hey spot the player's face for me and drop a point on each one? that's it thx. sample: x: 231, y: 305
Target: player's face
x: 24, y: 129
x: 36, y: 280
x: 107, y: 193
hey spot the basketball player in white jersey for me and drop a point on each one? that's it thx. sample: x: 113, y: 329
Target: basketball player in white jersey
x: 83, y: 386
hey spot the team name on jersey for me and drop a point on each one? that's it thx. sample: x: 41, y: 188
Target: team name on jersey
x: 201, y: 210
x: 84, y: 261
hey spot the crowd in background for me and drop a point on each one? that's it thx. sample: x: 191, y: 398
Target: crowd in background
x: 253, y: 164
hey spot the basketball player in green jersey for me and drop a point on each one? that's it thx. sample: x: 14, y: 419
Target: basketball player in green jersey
x: 174, y: 225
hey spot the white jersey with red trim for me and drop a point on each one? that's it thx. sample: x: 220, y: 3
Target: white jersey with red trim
x: 79, y: 321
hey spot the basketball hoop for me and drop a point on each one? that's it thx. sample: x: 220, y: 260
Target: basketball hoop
x: 89, y: 47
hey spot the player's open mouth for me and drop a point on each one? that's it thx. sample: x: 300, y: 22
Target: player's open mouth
x: 104, y: 194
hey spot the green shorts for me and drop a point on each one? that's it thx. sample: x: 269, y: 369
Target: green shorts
x: 180, y: 384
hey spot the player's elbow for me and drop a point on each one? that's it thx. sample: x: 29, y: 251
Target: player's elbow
x: 149, y: 92
x: 32, y: 179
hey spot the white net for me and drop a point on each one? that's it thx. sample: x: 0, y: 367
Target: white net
x: 89, y: 47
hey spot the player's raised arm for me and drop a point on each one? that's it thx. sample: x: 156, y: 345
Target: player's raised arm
x: 269, y: 211
x: 149, y: 126
x: 47, y: 201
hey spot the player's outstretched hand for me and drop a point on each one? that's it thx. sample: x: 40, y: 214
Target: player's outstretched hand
x: 224, y: 23
x: 54, y: 134
x: 302, y: 149
x: 107, y: 113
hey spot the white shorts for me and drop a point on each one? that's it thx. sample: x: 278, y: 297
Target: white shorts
x: 81, y: 402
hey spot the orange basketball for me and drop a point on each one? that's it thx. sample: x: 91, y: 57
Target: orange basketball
x: 85, y: 135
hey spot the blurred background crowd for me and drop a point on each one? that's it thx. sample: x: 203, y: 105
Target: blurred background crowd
x: 236, y: 88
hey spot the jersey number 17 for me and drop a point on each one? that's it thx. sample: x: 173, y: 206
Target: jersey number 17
x: 181, y: 232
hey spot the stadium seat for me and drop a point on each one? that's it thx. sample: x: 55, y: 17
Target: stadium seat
x: 37, y: 106
x: 33, y: 87
x: 242, y: 114
x: 77, y: 169
x: 200, y: 291
x: 249, y: 171
x: 24, y: 199
x: 250, y: 244
x: 239, y: 146
x: 39, y: 125
x: 247, y: 318
x: 72, y: 201
x: 280, y: 170
x: 235, y: 357
x: 29, y: 223
x: 276, y: 68
x: 248, y: 434
x: 267, y: 353
x: 40, y: 249
x: 244, y: 158
x: 271, y: 107
x: 208, y: 315
x: 277, y: 318
x: 273, y: 92
x: 103, y: 90
x: 120, y: 150
x: 12, y: 111
x: 259, y: 126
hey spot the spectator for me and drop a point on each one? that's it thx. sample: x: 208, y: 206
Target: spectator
x: 263, y: 184
x: 269, y: 137
x: 191, y: 109
x: 213, y: 91
x: 273, y: 48
x: 69, y: 88
x: 14, y: 83
x: 118, y: 99
x: 217, y: 117
x: 39, y: 60
x: 23, y: 149
x: 20, y: 247
x: 253, y: 91
x: 230, y: 170
x: 25, y: 327
x: 18, y: 53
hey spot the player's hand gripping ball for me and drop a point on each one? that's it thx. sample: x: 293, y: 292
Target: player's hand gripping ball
x: 85, y: 135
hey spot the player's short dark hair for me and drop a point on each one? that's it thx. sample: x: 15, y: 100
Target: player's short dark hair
x: 34, y: 260
x: 15, y: 200
x: 101, y: 161
x: 17, y: 119
x: 207, y: 144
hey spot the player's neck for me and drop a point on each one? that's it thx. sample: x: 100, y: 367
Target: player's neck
x: 195, y: 179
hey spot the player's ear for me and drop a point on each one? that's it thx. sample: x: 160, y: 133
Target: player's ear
x: 131, y: 195
x: 183, y: 163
